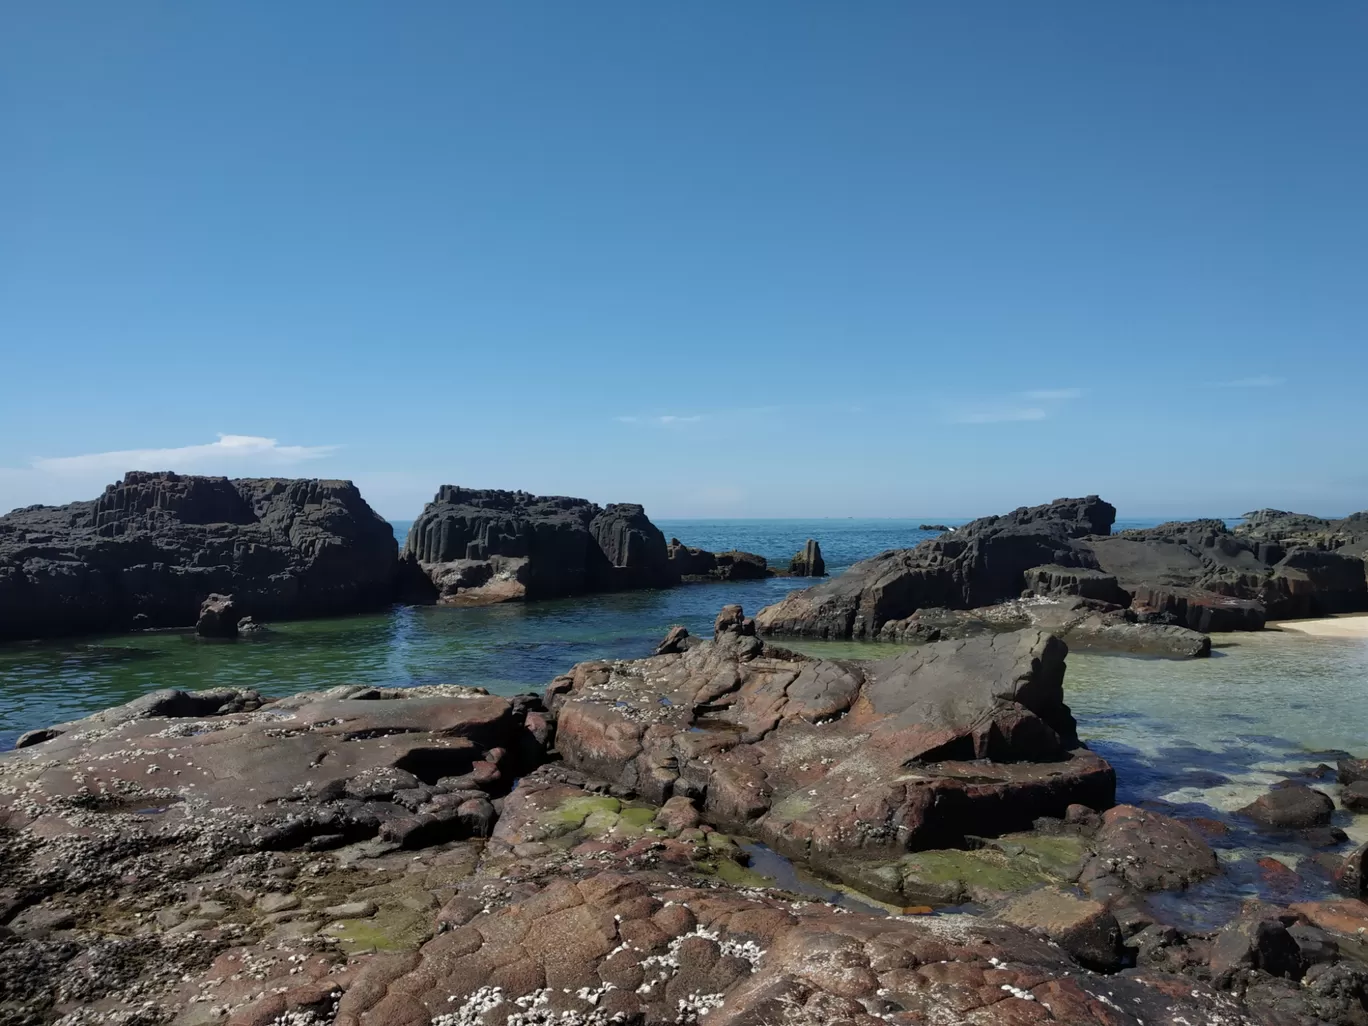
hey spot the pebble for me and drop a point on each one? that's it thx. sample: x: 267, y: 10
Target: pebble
x: 351, y: 910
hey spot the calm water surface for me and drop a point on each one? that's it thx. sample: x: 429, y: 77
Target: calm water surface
x: 1204, y: 736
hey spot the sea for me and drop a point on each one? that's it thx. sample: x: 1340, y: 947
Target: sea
x: 1202, y: 737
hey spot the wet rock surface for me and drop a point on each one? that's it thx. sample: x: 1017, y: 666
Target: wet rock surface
x: 149, y: 550
x: 363, y: 856
x: 828, y: 760
x: 1201, y: 576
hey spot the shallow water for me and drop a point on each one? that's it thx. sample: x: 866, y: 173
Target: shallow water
x: 1202, y: 737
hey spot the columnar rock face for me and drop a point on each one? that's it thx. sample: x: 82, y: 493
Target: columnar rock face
x: 151, y: 548
x: 1200, y: 575
x: 809, y: 562
x: 493, y: 546
x: 826, y: 760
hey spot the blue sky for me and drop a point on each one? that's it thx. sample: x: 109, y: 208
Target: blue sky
x: 758, y: 259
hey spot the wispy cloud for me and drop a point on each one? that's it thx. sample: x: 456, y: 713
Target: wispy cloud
x: 664, y: 418
x: 1046, y: 394
x: 997, y: 415
x: 1258, y: 381
x: 228, y: 450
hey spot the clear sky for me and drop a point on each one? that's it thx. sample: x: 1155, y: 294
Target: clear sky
x: 726, y: 259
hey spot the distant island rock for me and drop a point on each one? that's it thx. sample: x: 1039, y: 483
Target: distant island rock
x: 1059, y: 567
x: 934, y: 527
x: 150, y: 550
x: 479, y: 546
x: 483, y: 546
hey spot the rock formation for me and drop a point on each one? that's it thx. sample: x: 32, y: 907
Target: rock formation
x: 699, y: 565
x: 410, y: 857
x: 149, y: 550
x: 477, y: 547
x: 218, y: 617
x: 1201, y: 576
x: 809, y: 561
x: 831, y: 761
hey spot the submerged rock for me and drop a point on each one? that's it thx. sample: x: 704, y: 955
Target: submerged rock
x: 1291, y: 806
x: 147, y: 552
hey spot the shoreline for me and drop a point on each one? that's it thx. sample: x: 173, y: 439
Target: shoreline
x: 1341, y: 625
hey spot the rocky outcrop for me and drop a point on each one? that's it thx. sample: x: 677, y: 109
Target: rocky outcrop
x: 388, y: 857
x: 477, y: 547
x: 227, y: 773
x: 808, y: 562
x: 979, y: 564
x: 149, y: 550
x: 1084, y: 623
x: 218, y: 617
x: 1201, y: 575
x: 830, y: 761
x: 693, y: 564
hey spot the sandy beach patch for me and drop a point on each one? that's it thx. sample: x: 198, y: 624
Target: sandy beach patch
x: 1345, y: 625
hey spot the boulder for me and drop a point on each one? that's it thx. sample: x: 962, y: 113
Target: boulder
x: 1149, y: 851
x: 1354, y: 796
x: 1086, y: 929
x: 808, y: 562
x: 218, y: 617
x: 829, y: 761
x: 483, y: 546
x: 1291, y: 806
x: 692, y: 564
x: 1258, y: 943
x: 147, y: 551
x: 1351, y: 771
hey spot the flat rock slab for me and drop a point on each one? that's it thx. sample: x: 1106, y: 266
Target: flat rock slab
x: 824, y: 759
x: 316, y: 770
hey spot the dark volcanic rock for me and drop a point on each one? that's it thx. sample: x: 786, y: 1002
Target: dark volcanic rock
x: 218, y: 617
x: 979, y: 564
x: 1084, y: 623
x: 701, y: 565
x: 148, y: 551
x: 827, y: 760
x: 487, y: 546
x: 1200, y: 575
x: 808, y: 562
x: 1150, y: 851
x: 1291, y: 806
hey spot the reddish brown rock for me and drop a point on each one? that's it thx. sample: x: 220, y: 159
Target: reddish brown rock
x: 824, y: 759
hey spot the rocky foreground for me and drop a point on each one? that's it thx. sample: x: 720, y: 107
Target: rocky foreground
x: 1058, y: 567
x: 436, y: 855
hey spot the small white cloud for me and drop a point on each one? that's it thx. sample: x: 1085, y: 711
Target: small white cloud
x: 229, y: 449
x: 1000, y: 415
x: 1054, y: 393
x: 1258, y: 381
x: 664, y: 418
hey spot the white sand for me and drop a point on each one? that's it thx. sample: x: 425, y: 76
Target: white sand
x: 1347, y: 625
